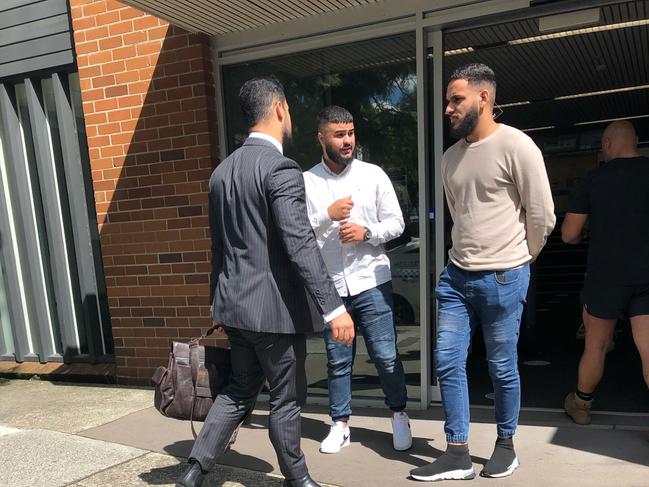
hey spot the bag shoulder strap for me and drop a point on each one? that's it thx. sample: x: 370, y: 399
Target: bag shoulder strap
x: 194, y: 360
x: 194, y: 363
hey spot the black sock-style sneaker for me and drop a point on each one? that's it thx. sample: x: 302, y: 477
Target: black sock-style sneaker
x: 454, y: 464
x: 503, y: 460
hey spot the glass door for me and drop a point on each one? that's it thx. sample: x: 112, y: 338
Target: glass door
x: 376, y: 80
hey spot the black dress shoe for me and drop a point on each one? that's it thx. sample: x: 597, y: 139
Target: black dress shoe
x: 305, y: 481
x: 193, y: 476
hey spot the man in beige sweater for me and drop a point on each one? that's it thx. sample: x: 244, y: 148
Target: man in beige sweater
x: 499, y: 197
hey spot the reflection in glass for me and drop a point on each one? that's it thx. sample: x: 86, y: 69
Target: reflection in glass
x: 376, y: 81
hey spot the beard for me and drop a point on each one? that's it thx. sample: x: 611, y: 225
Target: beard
x: 466, y: 125
x: 287, y: 136
x: 335, y: 156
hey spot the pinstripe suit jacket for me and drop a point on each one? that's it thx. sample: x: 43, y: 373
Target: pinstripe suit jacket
x: 264, y: 254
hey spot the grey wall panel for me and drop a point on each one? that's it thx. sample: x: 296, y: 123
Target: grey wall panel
x: 62, y: 58
x: 11, y: 4
x: 31, y: 10
x: 34, y: 35
x: 36, y: 47
x: 37, y: 29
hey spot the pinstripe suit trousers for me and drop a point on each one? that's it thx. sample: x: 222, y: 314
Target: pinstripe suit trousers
x: 255, y: 357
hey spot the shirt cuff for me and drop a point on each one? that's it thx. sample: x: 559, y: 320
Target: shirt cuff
x: 321, y: 217
x: 335, y: 313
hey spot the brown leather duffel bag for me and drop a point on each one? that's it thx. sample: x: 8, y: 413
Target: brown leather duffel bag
x: 194, y: 376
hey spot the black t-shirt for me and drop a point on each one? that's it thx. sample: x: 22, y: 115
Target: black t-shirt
x: 616, y: 198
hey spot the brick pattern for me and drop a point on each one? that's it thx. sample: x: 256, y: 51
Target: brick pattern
x: 148, y: 98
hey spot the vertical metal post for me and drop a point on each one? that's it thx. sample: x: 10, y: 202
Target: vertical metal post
x: 438, y: 152
x: 220, y: 104
x: 424, y: 208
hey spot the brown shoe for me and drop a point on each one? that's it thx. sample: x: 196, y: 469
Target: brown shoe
x: 577, y: 409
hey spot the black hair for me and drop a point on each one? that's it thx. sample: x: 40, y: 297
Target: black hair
x: 257, y: 96
x: 334, y: 114
x: 476, y: 74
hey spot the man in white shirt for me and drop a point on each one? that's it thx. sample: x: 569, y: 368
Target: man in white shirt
x: 354, y: 210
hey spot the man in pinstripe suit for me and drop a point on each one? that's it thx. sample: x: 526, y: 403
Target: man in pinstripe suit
x: 265, y: 261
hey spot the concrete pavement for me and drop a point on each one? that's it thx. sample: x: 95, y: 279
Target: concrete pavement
x: 54, y: 434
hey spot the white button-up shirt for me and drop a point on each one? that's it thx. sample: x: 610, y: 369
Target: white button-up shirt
x: 357, y: 266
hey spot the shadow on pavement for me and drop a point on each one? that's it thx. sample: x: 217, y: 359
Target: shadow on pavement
x: 378, y: 441
x: 162, y: 475
x: 232, y: 457
x: 599, y: 442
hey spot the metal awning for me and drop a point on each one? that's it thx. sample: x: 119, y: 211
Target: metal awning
x: 241, y: 24
x: 217, y: 17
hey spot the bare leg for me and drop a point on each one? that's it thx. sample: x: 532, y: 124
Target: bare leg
x: 599, y: 333
x: 640, y: 327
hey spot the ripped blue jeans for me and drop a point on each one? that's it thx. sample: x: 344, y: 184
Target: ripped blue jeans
x: 494, y: 300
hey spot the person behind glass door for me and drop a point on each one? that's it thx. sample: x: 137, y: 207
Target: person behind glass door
x: 354, y: 211
x: 264, y: 261
x: 499, y: 198
x: 614, y: 201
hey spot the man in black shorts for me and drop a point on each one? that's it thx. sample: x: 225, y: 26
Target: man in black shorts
x: 614, y: 200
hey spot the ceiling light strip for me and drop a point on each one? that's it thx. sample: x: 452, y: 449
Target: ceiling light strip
x: 535, y: 129
x: 612, y: 119
x: 576, y: 32
x: 462, y: 50
x: 578, y: 95
x: 558, y: 35
x: 603, y: 92
x: 513, y: 104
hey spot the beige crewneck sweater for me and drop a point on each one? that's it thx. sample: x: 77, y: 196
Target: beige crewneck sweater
x: 499, y: 197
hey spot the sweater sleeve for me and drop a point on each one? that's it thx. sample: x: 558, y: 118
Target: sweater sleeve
x: 450, y: 200
x: 531, y: 179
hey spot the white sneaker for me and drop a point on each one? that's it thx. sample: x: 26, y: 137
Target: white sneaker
x: 338, y: 438
x: 401, y: 434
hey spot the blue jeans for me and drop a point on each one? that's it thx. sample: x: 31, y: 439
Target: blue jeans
x: 494, y: 300
x: 371, y: 311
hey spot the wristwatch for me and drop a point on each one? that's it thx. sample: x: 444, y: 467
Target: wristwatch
x: 368, y: 234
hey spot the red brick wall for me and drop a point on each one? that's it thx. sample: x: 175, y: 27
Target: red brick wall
x: 148, y: 99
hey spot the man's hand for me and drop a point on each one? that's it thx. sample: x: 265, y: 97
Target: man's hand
x: 340, y: 209
x: 351, y: 232
x: 342, y: 328
x: 218, y: 328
